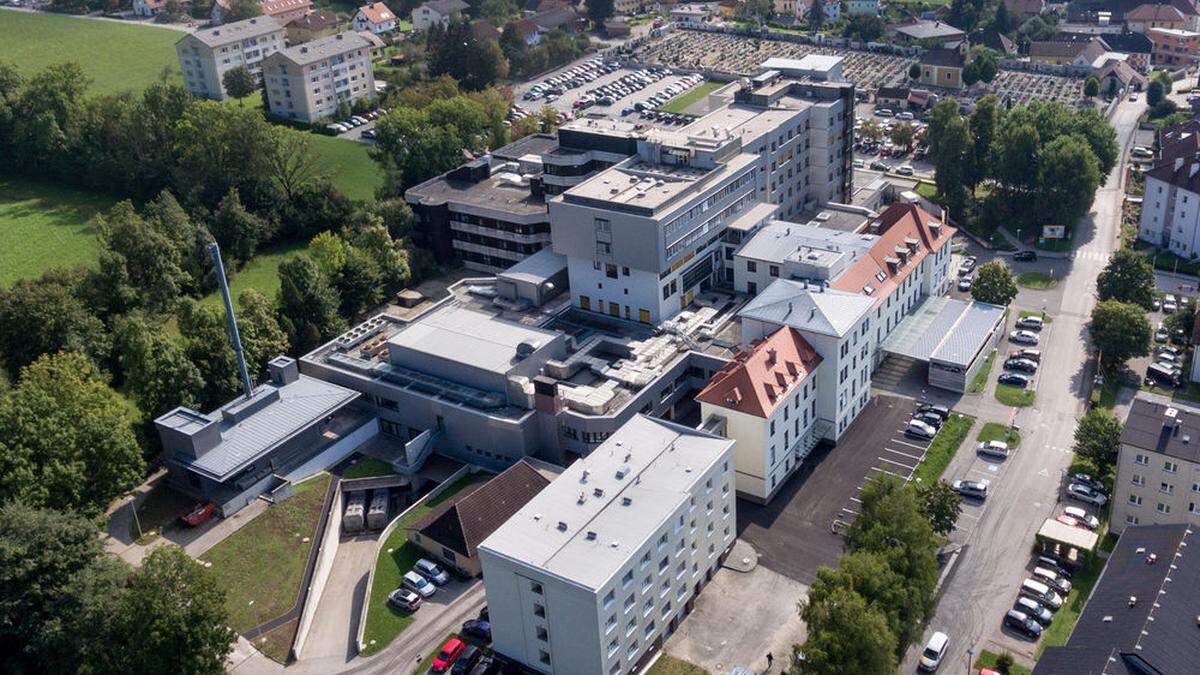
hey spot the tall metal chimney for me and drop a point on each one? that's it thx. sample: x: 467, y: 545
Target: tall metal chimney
x: 215, y: 251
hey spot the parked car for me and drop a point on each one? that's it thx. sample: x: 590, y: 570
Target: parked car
x: 1021, y: 623
x: 1031, y: 354
x: 1014, y: 379
x: 478, y: 628
x: 935, y: 649
x: 1032, y: 588
x: 904, y: 115
x: 1160, y: 333
x: 920, y: 429
x: 468, y: 657
x: 1023, y: 365
x: 939, y: 410
x: 415, y: 582
x: 1052, y: 579
x: 198, y: 514
x: 485, y: 665
x: 1085, y: 519
x: 972, y: 488
x: 1089, y: 481
x: 932, y: 419
x: 448, y: 655
x: 905, y: 170
x: 1024, y: 337
x: 1068, y: 520
x: 1085, y: 494
x: 1030, y: 322
x: 993, y: 448
x: 964, y: 283
x: 1167, y: 349
x: 967, y: 266
x: 1034, y: 610
x: 1025, y: 256
x: 404, y: 599
x: 432, y: 571
x: 369, y: 133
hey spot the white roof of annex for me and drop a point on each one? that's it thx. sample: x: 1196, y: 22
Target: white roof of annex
x: 587, y: 524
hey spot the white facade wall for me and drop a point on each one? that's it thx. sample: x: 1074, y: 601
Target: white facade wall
x: 361, y: 23
x: 1154, y: 489
x: 558, y: 626
x: 313, y: 91
x: 203, y: 66
x: 1170, y: 218
x: 424, y: 18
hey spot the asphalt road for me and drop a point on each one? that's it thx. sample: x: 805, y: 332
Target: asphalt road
x: 1001, y: 536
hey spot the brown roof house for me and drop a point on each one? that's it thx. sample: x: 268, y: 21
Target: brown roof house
x: 943, y: 66
x: 452, y: 530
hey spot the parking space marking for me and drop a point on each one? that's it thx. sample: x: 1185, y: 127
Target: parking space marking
x: 856, y: 500
x: 889, y: 461
x: 911, y: 445
x: 980, y: 471
x: 875, y: 468
x: 964, y: 513
x: 916, y: 457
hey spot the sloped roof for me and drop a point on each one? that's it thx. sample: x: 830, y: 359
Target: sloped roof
x: 892, y: 92
x: 1019, y: 7
x: 319, y: 19
x: 1178, y: 140
x: 1123, y: 72
x: 1153, y: 12
x: 556, y: 17
x: 273, y: 7
x: 445, y: 7
x: 463, y: 522
x: 1186, y: 175
x: 902, y: 226
x: 216, y: 36
x: 377, y: 12
x: 794, y: 303
x: 921, y: 29
x: 485, y: 30
x: 1064, y: 49
x: 943, y: 57
x: 756, y: 380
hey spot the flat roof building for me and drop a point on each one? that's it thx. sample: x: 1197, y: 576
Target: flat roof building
x: 640, y: 524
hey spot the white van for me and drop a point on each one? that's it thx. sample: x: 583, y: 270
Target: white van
x: 993, y: 448
x: 1042, y: 593
x: 935, y: 649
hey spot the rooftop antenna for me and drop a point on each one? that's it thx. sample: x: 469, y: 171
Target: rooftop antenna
x: 215, y: 251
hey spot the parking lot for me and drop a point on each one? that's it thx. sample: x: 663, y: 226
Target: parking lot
x: 793, y: 533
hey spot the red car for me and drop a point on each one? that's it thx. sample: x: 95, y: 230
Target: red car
x: 448, y: 655
x: 198, y: 514
x: 1068, y: 520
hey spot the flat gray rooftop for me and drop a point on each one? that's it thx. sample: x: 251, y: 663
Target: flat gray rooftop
x: 537, y: 268
x: 497, y: 192
x: 653, y: 463
x: 780, y: 240
x: 945, y: 330
x: 533, y: 144
x: 237, y: 31
x: 301, y: 404
x: 641, y: 184
x: 796, y: 304
x: 469, y: 337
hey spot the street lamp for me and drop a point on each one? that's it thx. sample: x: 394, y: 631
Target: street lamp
x: 136, y: 521
x: 970, y: 659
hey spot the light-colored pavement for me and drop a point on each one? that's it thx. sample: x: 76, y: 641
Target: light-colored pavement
x: 719, y: 633
x: 1001, y: 536
x: 335, y: 625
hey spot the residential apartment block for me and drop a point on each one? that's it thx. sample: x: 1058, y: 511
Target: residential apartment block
x: 1158, y: 467
x: 593, y: 573
x: 1174, y: 46
x: 310, y: 80
x: 207, y: 54
x: 1171, y: 205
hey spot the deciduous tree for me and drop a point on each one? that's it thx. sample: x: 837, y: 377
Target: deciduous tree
x: 157, y: 371
x: 994, y: 283
x: 308, y: 304
x: 847, y: 635
x: 239, y: 83
x: 1120, y: 331
x: 941, y: 505
x: 1128, y: 277
x: 1098, y: 438
x: 47, y: 315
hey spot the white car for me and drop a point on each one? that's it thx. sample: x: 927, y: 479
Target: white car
x: 972, y: 488
x: 1025, y: 337
x: 904, y: 115
x: 417, y: 583
x: 905, y: 170
x: 935, y: 649
x: 993, y: 448
x: 431, y: 571
x: 920, y: 429
x: 1089, y: 521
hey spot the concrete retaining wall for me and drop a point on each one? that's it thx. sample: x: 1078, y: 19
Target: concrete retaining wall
x: 325, y: 557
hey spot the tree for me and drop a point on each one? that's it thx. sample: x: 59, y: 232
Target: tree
x: 293, y: 165
x: 1002, y: 20
x: 903, y: 135
x: 1120, y: 331
x: 982, y: 66
x: 57, y: 589
x: 1068, y: 175
x: 1155, y: 92
x: 1091, y: 87
x: 757, y: 11
x: 239, y: 83
x: 1127, y: 277
x: 599, y: 11
x: 994, y: 284
x: 308, y: 305
x: 262, y: 337
x: 359, y: 283
x: 868, y: 575
x: 218, y: 148
x: 1098, y: 438
x: 172, y: 619
x: 1016, y: 154
x: 914, y: 71
x: 206, y: 344
x: 983, y: 125
x: 1004, y: 661
x: 329, y: 252
x: 240, y: 10
x: 48, y: 315
x: 949, y: 150
x: 871, y: 130
x: 865, y: 27
x: 157, y: 371
x: 238, y: 231
x: 141, y: 262
x: 846, y: 635
x: 941, y: 505
x: 816, y: 15
x: 455, y: 51
x: 411, y: 148
x: 66, y: 438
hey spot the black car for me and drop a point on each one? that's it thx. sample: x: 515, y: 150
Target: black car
x: 1024, y: 365
x: 932, y: 419
x: 1089, y: 482
x: 1021, y: 623
x: 939, y: 410
x: 485, y: 666
x: 1025, y: 256
x: 1053, y: 564
x: 465, y: 660
x: 1014, y: 379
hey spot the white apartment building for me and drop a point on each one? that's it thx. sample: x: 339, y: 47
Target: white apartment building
x: 1158, y: 467
x: 1171, y: 206
x: 308, y: 81
x: 207, y: 54
x: 643, y: 237
x: 766, y: 400
x: 862, y: 7
x: 601, y: 566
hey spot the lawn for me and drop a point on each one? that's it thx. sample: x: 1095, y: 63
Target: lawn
x: 114, y: 55
x: 980, y: 380
x: 669, y: 665
x: 943, y: 447
x: 261, y: 273
x: 988, y: 660
x: 368, y: 467
x: 348, y: 164
x: 927, y: 190
x: 395, y: 558
x: 43, y: 225
x: 1014, y: 396
x: 684, y: 101
x: 1057, y: 633
x: 994, y: 431
x: 261, y: 565
x: 1036, y: 280
x: 1046, y: 318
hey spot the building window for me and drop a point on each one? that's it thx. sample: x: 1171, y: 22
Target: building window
x: 1170, y: 467
x: 1131, y: 520
x: 539, y: 610
x: 1138, y: 480
x: 1141, y: 459
x: 608, y: 599
x: 544, y: 657
x: 542, y: 634
x: 751, y: 266
x: 1166, y: 488
x: 535, y: 587
x: 1135, y: 500
x: 1162, y: 508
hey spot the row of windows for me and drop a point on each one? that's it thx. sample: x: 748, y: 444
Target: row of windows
x: 1168, y: 465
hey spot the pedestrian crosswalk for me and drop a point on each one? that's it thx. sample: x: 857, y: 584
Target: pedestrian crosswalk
x: 1098, y: 256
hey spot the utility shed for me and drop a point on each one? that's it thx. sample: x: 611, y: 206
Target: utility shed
x: 1067, y: 542
x: 536, y: 279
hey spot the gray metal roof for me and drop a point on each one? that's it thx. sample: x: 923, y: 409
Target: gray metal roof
x: 326, y: 47
x: 537, y: 268
x: 238, y: 30
x: 653, y: 463
x: 779, y: 240
x: 468, y: 337
x: 945, y: 330
x: 792, y: 303
x: 300, y: 405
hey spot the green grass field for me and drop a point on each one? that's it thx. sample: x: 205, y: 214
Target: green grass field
x: 684, y: 101
x: 1014, y: 396
x: 368, y: 467
x: 396, y: 557
x: 980, y: 380
x: 943, y: 447
x: 994, y: 431
x: 1038, y: 280
x: 261, y: 565
x: 347, y: 162
x: 670, y: 665
x: 43, y: 225
x: 115, y: 56
x: 1046, y: 318
x: 261, y: 273
x: 1059, y: 631
x: 988, y: 660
